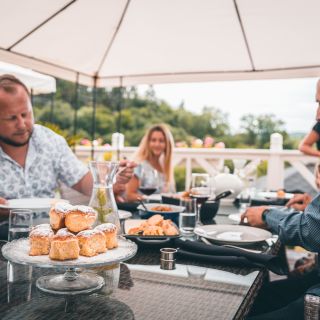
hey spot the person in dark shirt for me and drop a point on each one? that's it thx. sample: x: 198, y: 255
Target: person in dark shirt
x: 313, y: 137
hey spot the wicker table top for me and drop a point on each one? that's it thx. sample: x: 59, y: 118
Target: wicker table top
x: 144, y: 292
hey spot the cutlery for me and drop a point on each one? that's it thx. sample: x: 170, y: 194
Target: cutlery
x: 143, y: 205
x: 204, y: 240
x: 244, y: 249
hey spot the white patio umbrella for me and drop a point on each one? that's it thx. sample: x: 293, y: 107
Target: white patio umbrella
x: 128, y: 42
x: 103, y: 43
x: 36, y: 82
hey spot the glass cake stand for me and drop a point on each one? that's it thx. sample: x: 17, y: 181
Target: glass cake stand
x: 71, y: 282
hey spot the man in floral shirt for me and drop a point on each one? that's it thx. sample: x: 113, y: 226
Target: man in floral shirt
x: 33, y: 159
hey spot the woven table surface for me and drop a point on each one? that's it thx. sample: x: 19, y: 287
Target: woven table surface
x: 141, y: 295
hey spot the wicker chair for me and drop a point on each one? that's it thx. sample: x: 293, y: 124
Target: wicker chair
x: 312, y: 302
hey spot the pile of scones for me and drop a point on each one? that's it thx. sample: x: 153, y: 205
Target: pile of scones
x: 70, y: 234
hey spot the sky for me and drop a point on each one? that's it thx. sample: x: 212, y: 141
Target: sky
x: 291, y: 100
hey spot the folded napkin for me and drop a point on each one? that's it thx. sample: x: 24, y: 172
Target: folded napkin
x: 314, y: 290
x: 196, y: 250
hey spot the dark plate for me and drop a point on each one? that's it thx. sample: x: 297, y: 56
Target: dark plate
x: 146, y: 239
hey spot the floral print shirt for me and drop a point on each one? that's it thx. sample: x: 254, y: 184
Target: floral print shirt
x: 49, y: 160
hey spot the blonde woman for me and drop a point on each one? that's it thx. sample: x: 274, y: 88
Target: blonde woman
x: 154, y: 153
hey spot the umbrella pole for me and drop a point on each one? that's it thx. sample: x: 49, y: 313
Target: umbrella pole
x: 31, y: 96
x: 94, y: 106
x: 76, y: 106
x: 51, y: 106
x: 120, y: 103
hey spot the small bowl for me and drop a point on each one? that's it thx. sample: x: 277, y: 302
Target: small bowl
x: 208, y: 211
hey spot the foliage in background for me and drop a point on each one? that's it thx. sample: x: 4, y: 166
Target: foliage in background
x: 138, y: 113
x: 72, y: 140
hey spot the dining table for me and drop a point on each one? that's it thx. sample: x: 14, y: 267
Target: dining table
x: 140, y: 289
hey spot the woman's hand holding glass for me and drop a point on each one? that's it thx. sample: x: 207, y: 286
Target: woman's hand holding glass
x: 149, y: 181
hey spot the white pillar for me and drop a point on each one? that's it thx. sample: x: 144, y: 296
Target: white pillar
x: 275, y: 176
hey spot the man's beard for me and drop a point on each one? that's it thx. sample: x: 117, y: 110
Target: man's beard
x: 13, y: 143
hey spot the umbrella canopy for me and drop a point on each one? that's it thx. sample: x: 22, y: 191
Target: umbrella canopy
x: 36, y: 82
x: 128, y: 42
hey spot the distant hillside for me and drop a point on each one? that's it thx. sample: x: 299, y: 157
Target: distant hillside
x: 297, y: 134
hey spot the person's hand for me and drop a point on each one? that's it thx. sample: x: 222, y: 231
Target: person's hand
x: 125, y: 171
x: 4, y: 213
x: 3, y: 201
x: 317, y: 177
x: 299, y: 201
x: 254, y: 216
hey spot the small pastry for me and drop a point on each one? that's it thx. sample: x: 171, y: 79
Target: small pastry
x: 153, y: 231
x: 57, y: 214
x: 91, y: 242
x: 40, y: 239
x: 64, y: 246
x: 168, y: 228
x: 80, y: 218
x: 155, y: 220
x: 110, y: 232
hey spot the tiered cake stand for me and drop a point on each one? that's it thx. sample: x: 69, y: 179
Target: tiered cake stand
x: 72, y: 282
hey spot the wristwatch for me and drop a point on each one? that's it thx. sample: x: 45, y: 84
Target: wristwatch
x: 264, y: 213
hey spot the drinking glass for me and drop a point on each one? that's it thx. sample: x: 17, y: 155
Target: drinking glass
x: 188, y: 218
x: 20, y: 224
x: 200, y: 190
x: 149, y: 181
x: 244, y: 199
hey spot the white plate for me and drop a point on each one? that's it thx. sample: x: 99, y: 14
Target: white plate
x: 273, y: 195
x: 123, y: 214
x: 233, y: 234
x: 149, y: 206
x: 18, y: 251
x: 31, y: 203
x: 155, y: 197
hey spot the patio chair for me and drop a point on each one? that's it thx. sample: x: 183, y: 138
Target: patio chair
x: 312, y: 303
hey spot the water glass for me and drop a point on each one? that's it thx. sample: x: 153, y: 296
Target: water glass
x: 20, y: 224
x: 244, y: 200
x: 188, y: 218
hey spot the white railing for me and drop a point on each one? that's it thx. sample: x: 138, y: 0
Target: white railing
x: 212, y: 160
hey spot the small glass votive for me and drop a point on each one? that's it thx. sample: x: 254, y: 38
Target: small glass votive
x: 196, y: 272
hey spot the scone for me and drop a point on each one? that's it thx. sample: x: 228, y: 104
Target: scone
x: 64, y: 246
x: 110, y: 232
x: 155, y: 220
x: 57, y: 214
x: 91, y: 242
x: 153, y: 231
x: 40, y: 239
x: 168, y: 228
x: 80, y: 218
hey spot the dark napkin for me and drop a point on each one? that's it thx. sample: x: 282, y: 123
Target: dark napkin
x: 229, y: 256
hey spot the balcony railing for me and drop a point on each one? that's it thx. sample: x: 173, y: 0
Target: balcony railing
x: 212, y: 160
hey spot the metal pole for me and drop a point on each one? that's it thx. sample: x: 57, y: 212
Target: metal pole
x: 51, y: 106
x: 76, y: 106
x: 31, y: 96
x: 94, y: 105
x: 120, y: 103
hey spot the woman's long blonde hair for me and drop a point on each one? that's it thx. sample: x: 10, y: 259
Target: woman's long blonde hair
x: 144, y: 152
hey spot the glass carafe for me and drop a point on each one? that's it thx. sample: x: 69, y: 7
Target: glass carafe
x: 102, y: 198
